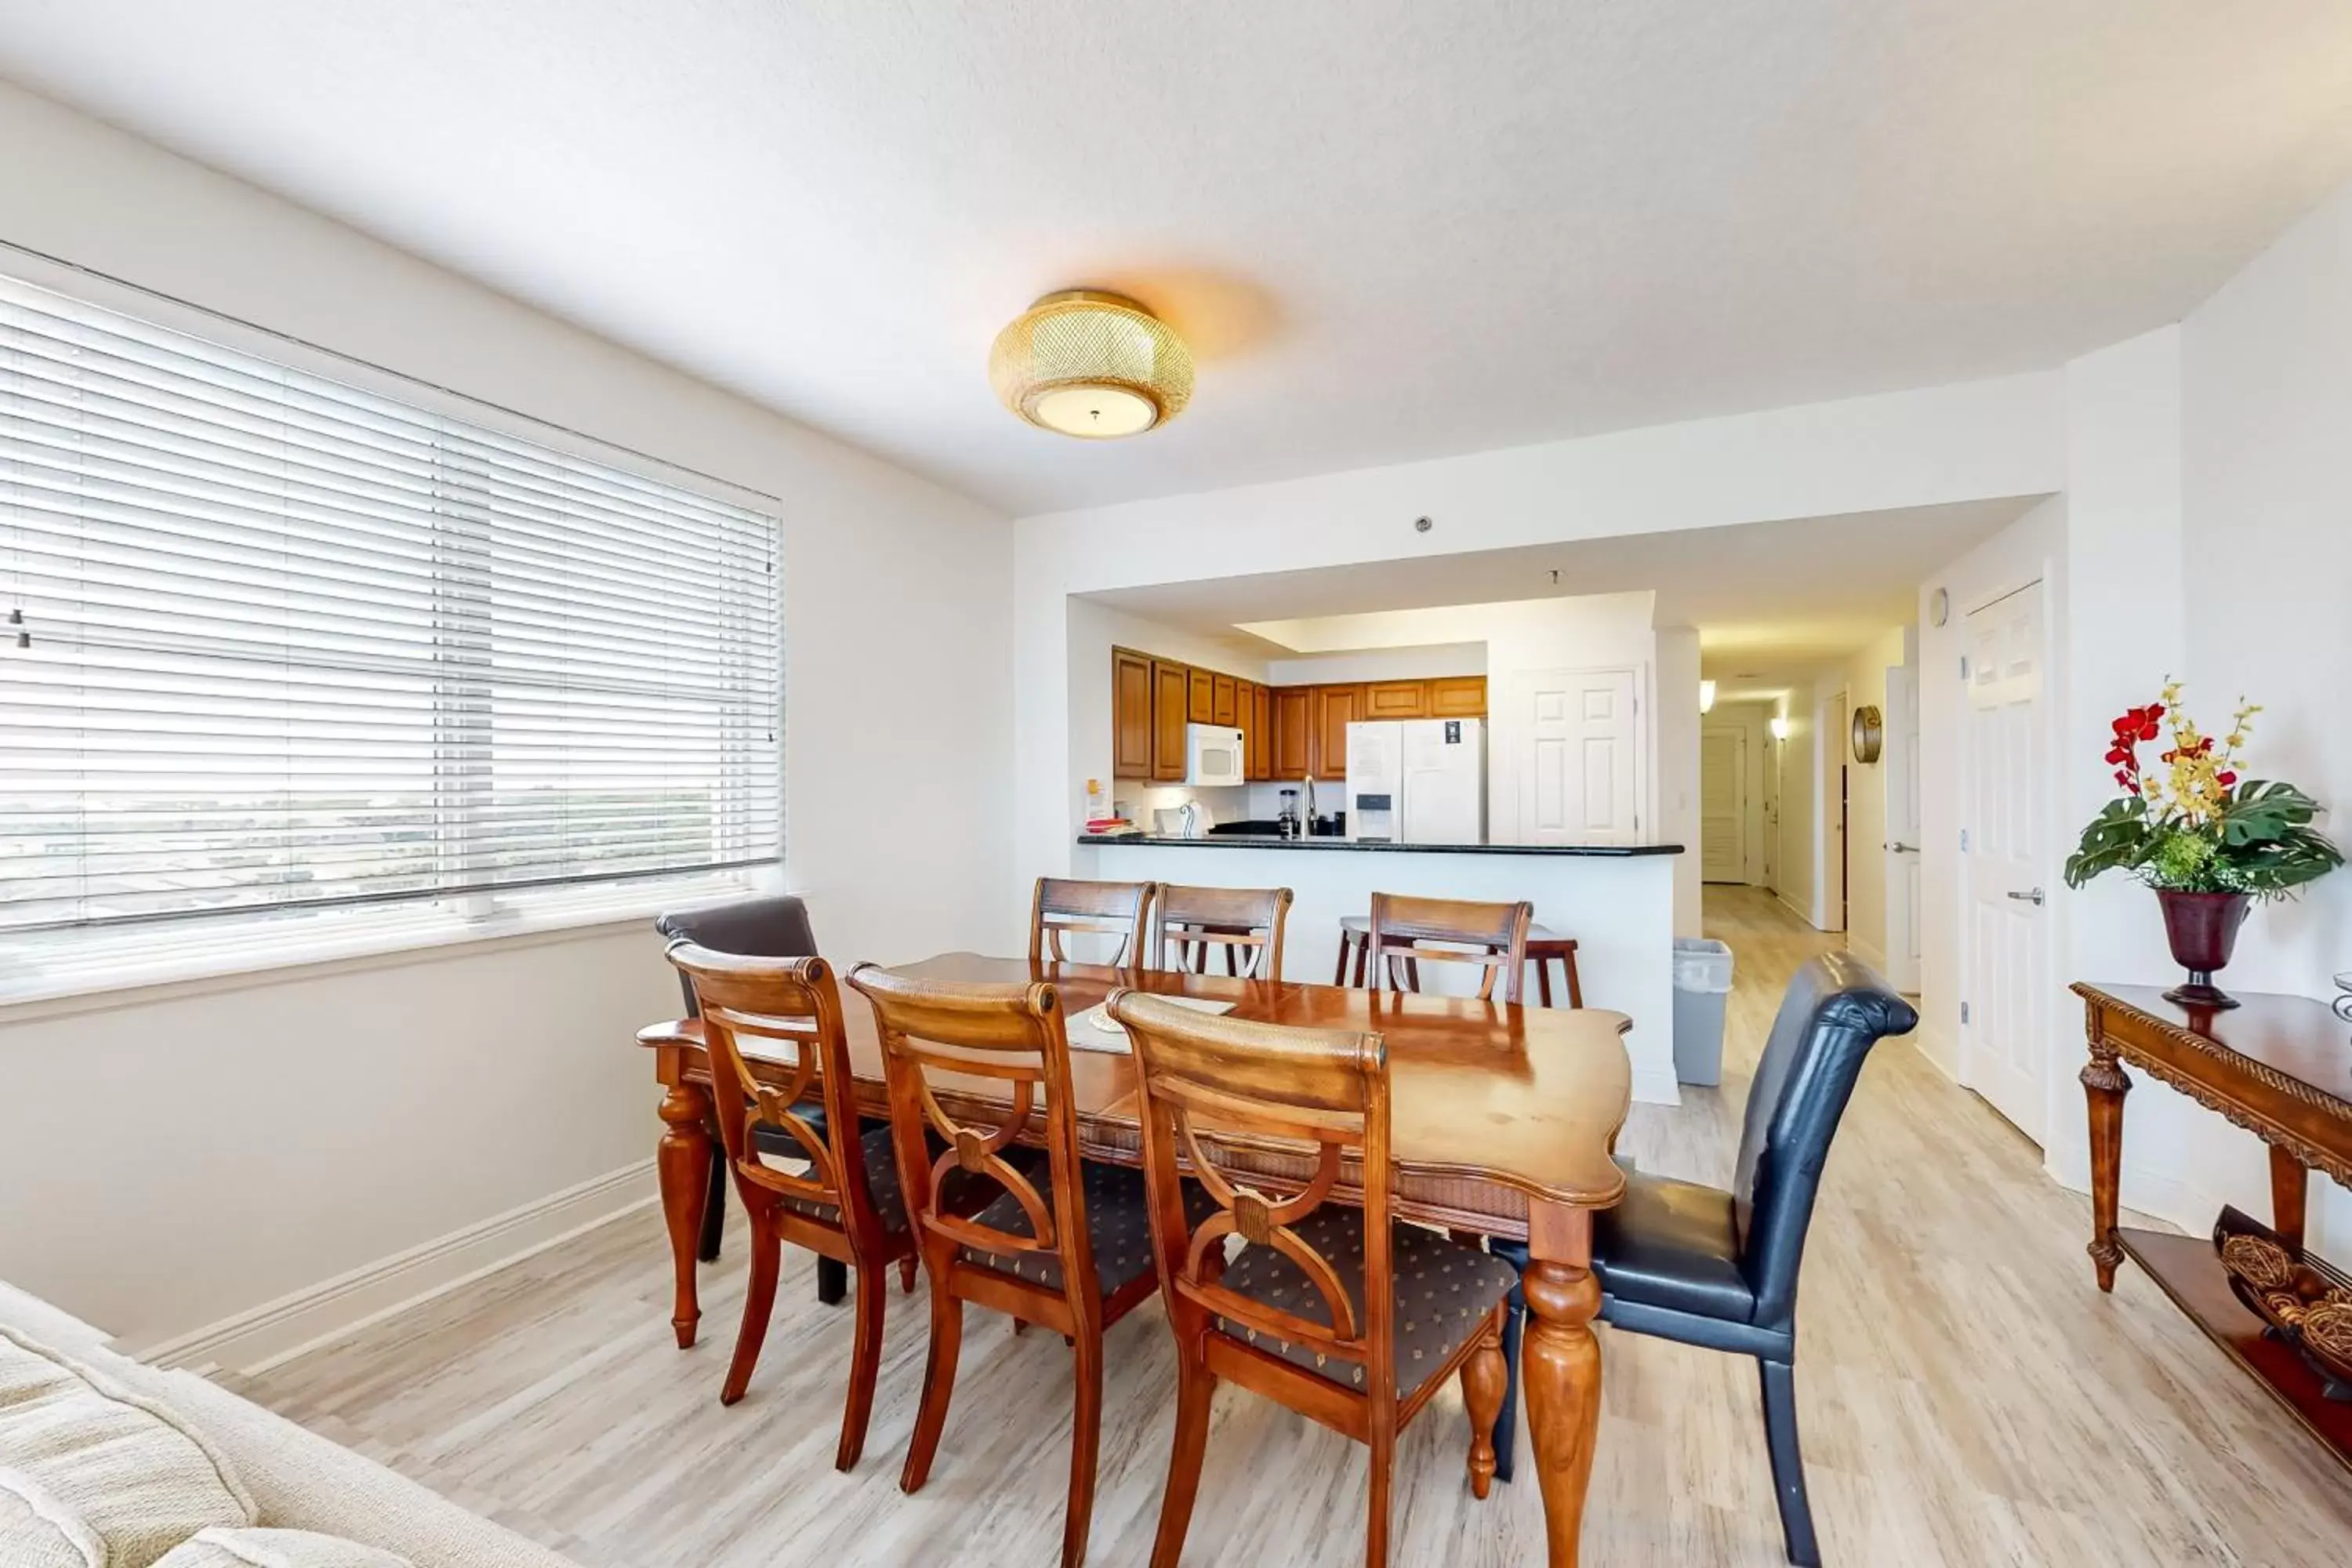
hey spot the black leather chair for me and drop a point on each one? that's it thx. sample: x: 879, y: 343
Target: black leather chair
x: 1719, y: 1268
x: 775, y: 926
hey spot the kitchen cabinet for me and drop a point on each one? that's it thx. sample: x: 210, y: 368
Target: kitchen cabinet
x: 1261, y: 735
x: 1222, y: 690
x: 1294, y: 731
x: 1130, y: 698
x: 1170, y: 700
x: 1396, y: 699
x: 1201, y: 707
x: 1457, y: 697
x: 1247, y: 722
x: 1334, y: 708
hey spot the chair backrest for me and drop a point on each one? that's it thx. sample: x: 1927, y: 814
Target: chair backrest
x: 775, y: 926
x: 787, y: 1011
x: 1327, y: 1088
x: 1191, y: 921
x: 1116, y: 908
x: 1014, y: 1036
x: 1836, y: 1008
x: 1492, y: 935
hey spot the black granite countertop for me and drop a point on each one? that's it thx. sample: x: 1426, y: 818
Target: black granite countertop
x: 1254, y: 841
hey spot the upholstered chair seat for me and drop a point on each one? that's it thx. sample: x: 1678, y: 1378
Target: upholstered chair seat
x: 1445, y: 1295
x: 1673, y: 1245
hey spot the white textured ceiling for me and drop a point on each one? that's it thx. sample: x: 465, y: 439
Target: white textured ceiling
x: 1773, y: 602
x: 1392, y: 228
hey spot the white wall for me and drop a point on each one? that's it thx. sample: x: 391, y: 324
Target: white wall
x: 2266, y: 542
x: 1673, y: 776
x: 1800, y: 776
x: 181, y: 1157
x: 2001, y: 438
x: 1864, y: 676
x: 1380, y: 664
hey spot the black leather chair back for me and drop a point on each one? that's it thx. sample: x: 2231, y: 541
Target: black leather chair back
x: 1836, y: 1008
x: 774, y: 927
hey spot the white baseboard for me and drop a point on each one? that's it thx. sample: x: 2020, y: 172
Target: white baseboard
x: 259, y: 1338
x: 1781, y: 898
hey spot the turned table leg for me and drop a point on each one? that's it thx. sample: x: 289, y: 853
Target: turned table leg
x: 683, y: 1163
x: 2104, y: 1084
x: 1560, y: 1368
x: 2289, y: 1190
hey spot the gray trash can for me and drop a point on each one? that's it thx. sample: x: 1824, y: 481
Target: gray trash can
x: 1702, y: 981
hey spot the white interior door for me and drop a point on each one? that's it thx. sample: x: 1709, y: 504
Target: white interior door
x: 1723, y: 804
x: 1578, y: 760
x: 1901, y: 756
x: 2005, y: 1053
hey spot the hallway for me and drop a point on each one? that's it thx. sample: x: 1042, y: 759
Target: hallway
x: 1968, y: 1396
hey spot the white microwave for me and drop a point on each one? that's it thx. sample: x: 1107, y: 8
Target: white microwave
x: 1213, y: 755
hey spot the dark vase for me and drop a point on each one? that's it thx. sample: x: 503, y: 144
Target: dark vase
x: 2203, y: 928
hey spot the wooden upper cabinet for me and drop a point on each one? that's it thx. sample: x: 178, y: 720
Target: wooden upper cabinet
x: 1247, y: 722
x: 1294, y: 731
x: 1396, y: 699
x: 1261, y: 746
x: 1130, y: 698
x: 1222, y: 690
x: 1335, y: 707
x: 1170, y: 685
x: 1202, y: 706
x: 1457, y: 697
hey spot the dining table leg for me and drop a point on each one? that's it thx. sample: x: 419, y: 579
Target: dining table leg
x: 1561, y: 1367
x: 683, y: 1164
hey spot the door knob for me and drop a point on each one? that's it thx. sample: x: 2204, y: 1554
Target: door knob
x: 2033, y: 897
x: 1902, y: 848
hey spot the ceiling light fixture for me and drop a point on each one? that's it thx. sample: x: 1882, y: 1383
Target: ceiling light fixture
x: 1706, y: 696
x: 1095, y: 365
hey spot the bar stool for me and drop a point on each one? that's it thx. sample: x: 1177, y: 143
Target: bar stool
x: 1545, y: 948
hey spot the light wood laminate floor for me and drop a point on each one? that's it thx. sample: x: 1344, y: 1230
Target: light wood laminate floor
x: 1967, y: 1396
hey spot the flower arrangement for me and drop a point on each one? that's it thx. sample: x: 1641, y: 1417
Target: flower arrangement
x: 2199, y: 826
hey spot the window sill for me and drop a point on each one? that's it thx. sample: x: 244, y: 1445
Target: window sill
x: 29, y: 994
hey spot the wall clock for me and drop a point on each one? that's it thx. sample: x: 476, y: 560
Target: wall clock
x: 1939, y: 606
x: 1869, y: 734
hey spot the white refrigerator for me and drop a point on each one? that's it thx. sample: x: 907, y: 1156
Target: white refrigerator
x: 1417, y: 780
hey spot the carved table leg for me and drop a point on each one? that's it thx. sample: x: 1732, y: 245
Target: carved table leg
x: 683, y: 1162
x: 1560, y: 1368
x: 2104, y: 1084
x: 2289, y: 1190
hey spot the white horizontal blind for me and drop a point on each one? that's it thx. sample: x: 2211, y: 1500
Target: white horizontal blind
x: 276, y: 644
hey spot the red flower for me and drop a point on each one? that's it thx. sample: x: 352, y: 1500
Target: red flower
x: 2225, y: 778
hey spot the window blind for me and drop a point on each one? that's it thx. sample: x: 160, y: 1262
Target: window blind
x: 279, y: 643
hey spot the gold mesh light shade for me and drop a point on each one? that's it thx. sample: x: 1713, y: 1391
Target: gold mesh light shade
x: 1091, y: 364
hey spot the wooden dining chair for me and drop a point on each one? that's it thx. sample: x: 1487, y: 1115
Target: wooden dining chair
x: 775, y: 926
x: 847, y: 1205
x: 1073, y: 1254
x: 1061, y: 907
x: 1193, y: 920
x: 1493, y: 936
x: 1339, y: 1313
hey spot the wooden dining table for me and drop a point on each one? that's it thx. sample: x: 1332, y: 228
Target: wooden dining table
x: 1502, y: 1122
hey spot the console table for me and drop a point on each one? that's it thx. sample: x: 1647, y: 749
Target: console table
x: 2279, y: 1066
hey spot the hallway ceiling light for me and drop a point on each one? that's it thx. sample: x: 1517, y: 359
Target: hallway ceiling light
x: 1706, y: 696
x: 1095, y: 365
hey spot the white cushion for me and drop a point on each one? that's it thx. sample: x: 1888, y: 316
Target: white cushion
x: 37, y: 1531
x: 126, y: 1467
x: 276, y: 1549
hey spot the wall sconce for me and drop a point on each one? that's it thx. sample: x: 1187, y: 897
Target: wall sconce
x: 1706, y: 696
x: 1780, y: 727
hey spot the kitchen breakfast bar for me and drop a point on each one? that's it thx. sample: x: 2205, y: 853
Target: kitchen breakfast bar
x: 1615, y: 901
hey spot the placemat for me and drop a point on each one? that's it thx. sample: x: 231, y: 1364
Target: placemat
x: 1096, y: 1030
